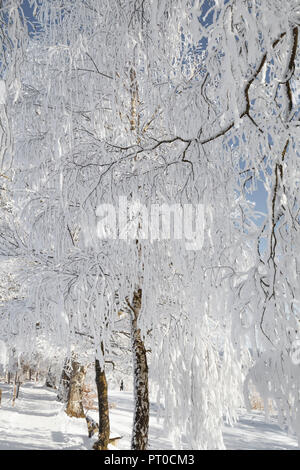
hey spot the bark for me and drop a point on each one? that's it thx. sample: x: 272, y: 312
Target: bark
x: 50, y: 379
x: 75, y: 406
x: 14, y: 394
x: 140, y: 430
x: 64, y: 383
x: 15, y: 389
x: 18, y: 389
x: 139, y: 440
x: 104, y: 425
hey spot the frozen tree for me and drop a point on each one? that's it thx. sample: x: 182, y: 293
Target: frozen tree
x: 176, y: 103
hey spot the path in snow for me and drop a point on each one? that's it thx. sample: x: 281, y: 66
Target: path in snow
x: 38, y: 421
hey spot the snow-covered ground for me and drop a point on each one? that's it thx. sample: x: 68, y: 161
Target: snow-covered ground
x: 37, y: 421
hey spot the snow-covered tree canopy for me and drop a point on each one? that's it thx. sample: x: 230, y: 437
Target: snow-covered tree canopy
x: 177, y: 104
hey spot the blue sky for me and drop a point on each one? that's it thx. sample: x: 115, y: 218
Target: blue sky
x: 28, y: 12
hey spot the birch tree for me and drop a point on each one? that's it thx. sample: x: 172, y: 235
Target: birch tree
x: 167, y: 103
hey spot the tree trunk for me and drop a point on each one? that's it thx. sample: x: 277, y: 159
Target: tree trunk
x: 50, y: 379
x: 64, y: 383
x: 140, y: 430
x: 104, y: 426
x: 15, y: 389
x: 18, y: 389
x: 75, y: 406
x: 139, y: 440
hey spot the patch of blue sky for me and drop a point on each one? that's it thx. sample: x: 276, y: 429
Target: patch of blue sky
x: 254, y: 187
x: 32, y: 23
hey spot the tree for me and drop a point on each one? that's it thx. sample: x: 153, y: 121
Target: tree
x: 177, y: 103
x: 75, y: 396
x: 104, y: 426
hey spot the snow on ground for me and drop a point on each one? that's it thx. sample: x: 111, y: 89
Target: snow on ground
x: 38, y: 421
